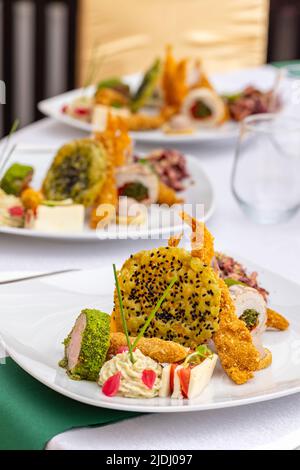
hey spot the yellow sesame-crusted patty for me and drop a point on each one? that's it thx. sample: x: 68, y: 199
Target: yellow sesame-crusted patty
x: 190, y: 313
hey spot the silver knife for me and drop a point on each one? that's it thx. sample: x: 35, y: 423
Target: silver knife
x: 37, y: 276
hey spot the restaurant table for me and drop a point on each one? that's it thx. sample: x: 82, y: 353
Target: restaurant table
x: 274, y: 424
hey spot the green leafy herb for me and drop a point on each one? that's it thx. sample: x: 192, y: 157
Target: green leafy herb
x: 66, y: 202
x: 232, y: 98
x: 135, y: 190
x: 229, y: 281
x: 250, y: 317
x: 125, y: 329
x: 154, y: 311
x: 109, y: 83
x: 199, y: 110
x: 202, y: 352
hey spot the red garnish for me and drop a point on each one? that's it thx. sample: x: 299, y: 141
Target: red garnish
x: 16, y: 211
x: 64, y: 108
x: 184, y: 375
x: 148, y: 378
x: 172, y: 372
x: 122, y: 349
x: 82, y: 111
x: 111, y: 386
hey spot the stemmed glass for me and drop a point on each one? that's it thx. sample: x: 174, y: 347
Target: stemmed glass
x: 266, y: 172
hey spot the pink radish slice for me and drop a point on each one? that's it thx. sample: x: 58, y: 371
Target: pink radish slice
x: 111, y: 385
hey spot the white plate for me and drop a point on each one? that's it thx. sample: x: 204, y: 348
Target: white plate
x: 34, y: 326
x: 262, y: 77
x: 199, y: 192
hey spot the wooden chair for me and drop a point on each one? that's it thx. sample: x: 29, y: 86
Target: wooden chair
x: 123, y: 37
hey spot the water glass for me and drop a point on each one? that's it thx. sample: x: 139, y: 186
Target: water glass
x: 266, y: 172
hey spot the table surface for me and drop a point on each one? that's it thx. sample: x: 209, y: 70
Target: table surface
x: 274, y: 247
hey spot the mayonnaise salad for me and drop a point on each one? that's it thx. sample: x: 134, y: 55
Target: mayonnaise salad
x: 131, y: 383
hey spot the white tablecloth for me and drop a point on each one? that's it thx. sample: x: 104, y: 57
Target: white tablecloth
x: 271, y: 425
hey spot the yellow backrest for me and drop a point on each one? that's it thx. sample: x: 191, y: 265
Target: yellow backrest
x: 123, y: 36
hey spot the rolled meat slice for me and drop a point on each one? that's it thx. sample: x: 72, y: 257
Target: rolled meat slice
x: 204, y: 108
x: 251, y: 308
x: 139, y: 182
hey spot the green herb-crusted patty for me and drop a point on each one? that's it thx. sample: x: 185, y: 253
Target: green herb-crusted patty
x: 16, y: 179
x: 77, y: 172
x: 87, y: 344
x: 190, y: 313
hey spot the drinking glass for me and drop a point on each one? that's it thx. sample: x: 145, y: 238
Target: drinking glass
x: 266, y: 172
x: 287, y: 90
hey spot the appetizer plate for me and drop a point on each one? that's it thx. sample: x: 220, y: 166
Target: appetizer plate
x: 34, y: 326
x: 227, y: 83
x: 199, y: 191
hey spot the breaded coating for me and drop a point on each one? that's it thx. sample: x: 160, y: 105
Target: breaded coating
x: 174, y: 240
x: 174, y: 77
x: 233, y: 341
x: 167, y: 195
x: 276, y: 321
x: 158, y: 349
x: 107, y: 197
x: 265, y: 361
x: 145, y: 122
x: 202, y: 240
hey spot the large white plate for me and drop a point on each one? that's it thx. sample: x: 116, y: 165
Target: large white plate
x: 33, y: 327
x: 262, y: 77
x: 200, y: 191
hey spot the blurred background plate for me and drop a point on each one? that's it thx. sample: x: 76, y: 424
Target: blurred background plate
x: 199, y: 190
x: 227, y: 83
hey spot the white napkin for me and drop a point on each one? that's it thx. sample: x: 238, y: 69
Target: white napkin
x: 269, y: 425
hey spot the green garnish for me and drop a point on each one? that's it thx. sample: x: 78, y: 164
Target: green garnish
x: 66, y: 202
x: 199, y: 110
x: 202, y: 352
x: 109, y: 83
x: 232, y: 98
x: 116, y: 104
x: 130, y: 347
x: 154, y: 311
x: 135, y: 190
x: 229, y: 281
x: 250, y: 317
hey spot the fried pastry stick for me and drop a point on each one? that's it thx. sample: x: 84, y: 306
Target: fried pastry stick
x: 158, y: 349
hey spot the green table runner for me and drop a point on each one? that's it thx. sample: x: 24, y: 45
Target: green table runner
x: 31, y: 413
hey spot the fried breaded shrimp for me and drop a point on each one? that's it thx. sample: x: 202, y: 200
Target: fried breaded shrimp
x: 158, y: 349
x: 266, y: 361
x: 116, y: 140
x: 238, y: 355
x: 202, y: 240
x: 276, y: 321
x: 174, y: 79
x: 174, y: 240
x: 167, y: 195
x: 233, y: 342
x: 145, y: 122
x: 107, y: 196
